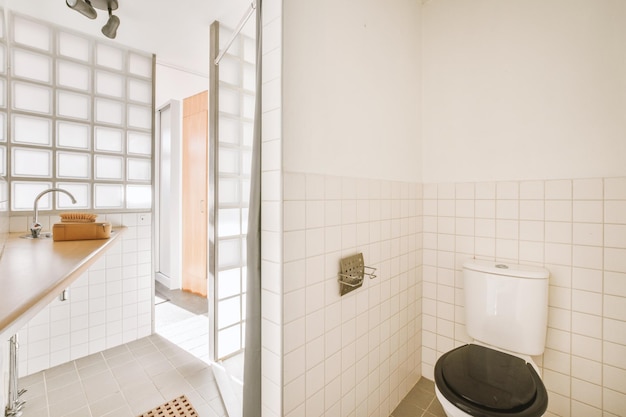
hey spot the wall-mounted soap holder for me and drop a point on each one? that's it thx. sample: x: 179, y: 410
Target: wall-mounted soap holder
x: 352, y: 271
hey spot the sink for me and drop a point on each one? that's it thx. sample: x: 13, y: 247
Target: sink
x: 43, y: 235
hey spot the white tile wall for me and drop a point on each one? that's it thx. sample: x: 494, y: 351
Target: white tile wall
x: 576, y: 229
x: 272, y: 215
x: 110, y: 304
x: 358, y: 354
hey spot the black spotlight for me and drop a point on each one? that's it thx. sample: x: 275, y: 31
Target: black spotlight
x: 110, y: 29
x: 83, y: 7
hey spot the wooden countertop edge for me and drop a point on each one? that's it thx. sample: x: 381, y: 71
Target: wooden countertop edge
x: 18, y: 317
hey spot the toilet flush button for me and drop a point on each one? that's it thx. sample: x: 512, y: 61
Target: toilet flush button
x: 502, y: 266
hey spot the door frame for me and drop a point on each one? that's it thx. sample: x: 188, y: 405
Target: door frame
x: 174, y: 219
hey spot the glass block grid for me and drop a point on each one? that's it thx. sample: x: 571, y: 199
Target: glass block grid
x: 75, y: 113
x: 236, y: 98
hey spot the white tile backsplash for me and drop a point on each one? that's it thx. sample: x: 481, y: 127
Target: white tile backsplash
x: 103, y: 305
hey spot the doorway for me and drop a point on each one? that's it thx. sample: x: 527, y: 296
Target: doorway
x: 215, y: 203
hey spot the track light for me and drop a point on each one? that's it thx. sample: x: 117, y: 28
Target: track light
x: 110, y: 29
x: 83, y: 7
x: 86, y: 8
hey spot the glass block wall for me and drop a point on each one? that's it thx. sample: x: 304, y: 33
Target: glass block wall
x: 75, y: 113
x: 237, y: 84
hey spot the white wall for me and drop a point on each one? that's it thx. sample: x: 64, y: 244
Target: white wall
x: 351, y: 166
x: 358, y: 354
x: 351, y: 88
x: 523, y: 89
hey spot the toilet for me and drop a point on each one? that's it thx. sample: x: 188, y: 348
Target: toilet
x: 506, y: 315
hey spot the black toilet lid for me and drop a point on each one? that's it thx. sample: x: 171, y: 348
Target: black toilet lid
x: 489, y: 379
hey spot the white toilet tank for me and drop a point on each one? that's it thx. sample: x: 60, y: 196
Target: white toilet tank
x: 506, y: 305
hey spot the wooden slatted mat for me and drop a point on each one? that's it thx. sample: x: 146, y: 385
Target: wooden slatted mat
x: 178, y: 407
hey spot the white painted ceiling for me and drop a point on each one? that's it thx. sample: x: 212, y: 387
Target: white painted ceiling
x: 176, y: 31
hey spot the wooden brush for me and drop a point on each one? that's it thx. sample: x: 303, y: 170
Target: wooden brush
x: 78, y: 217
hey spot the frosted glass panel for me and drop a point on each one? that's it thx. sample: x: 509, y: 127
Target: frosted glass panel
x: 244, y: 221
x: 139, y: 170
x: 73, y: 165
x: 73, y: 135
x: 229, y: 130
x: 80, y: 191
x: 139, y: 196
x: 226, y: 34
x: 229, y: 101
x: 140, y: 117
x: 229, y: 312
x: 31, y: 162
x: 228, y: 191
x: 109, y: 167
x: 32, y: 66
x: 31, y: 33
x: 139, y: 143
x: 109, y: 57
x: 228, y: 223
x: 3, y: 92
x: 245, y: 191
x: 33, y: 98
x: 229, y: 282
x: 246, y: 162
x: 33, y: 130
x: 228, y: 161
x: 248, y: 134
x: 108, y: 196
x: 3, y: 161
x: 108, y: 111
x: 229, y: 253
x: 72, y: 105
x: 249, y: 50
x: 140, y: 65
x: 249, y: 77
x: 140, y: 91
x: 74, y: 46
x: 248, y: 106
x: 3, y: 127
x: 229, y: 341
x: 109, y: 84
x: 230, y: 71
x: 24, y: 193
x: 73, y: 75
x: 108, y: 140
x: 3, y: 59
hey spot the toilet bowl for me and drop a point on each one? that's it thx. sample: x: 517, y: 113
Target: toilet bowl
x: 475, y: 380
x: 506, y: 315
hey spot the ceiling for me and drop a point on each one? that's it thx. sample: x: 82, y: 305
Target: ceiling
x: 176, y: 31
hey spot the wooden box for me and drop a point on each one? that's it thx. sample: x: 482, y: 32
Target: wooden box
x: 81, y: 231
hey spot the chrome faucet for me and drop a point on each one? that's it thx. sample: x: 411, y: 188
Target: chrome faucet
x: 35, y: 228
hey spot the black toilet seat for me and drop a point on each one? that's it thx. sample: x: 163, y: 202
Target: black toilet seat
x: 484, y: 382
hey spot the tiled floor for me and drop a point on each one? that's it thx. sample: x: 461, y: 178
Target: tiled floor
x: 420, y: 402
x: 124, y: 381
x: 131, y: 379
x: 182, y: 318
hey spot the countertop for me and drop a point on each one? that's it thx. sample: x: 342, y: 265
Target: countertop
x: 35, y: 271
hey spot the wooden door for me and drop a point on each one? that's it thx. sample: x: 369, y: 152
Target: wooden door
x: 194, y: 210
